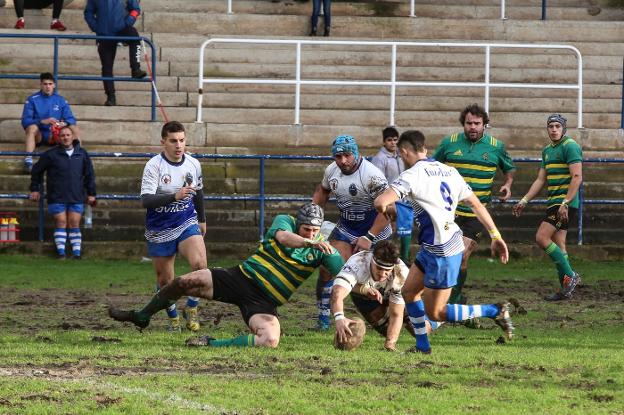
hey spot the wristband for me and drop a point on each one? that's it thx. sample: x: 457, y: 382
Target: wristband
x: 494, y: 234
x: 364, y: 290
x: 339, y: 315
x: 523, y: 201
x: 564, y: 203
x: 370, y: 236
x: 134, y: 13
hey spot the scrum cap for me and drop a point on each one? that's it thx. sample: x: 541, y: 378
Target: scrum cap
x: 310, y: 214
x: 560, y: 119
x: 345, y: 144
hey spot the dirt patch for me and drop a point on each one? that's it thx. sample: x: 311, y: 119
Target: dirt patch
x: 106, y: 401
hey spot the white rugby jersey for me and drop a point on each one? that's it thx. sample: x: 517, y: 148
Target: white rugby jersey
x: 433, y: 189
x: 355, y: 194
x: 162, y: 176
x: 357, y: 269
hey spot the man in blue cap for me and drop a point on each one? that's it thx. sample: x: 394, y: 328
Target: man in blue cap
x: 355, y: 183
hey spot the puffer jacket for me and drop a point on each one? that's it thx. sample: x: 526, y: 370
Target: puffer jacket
x: 108, y: 17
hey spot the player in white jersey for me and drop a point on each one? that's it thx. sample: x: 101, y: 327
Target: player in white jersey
x: 355, y: 183
x: 171, y: 191
x: 434, y: 190
x: 374, y: 280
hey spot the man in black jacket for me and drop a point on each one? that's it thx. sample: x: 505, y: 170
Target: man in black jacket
x: 70, y: 182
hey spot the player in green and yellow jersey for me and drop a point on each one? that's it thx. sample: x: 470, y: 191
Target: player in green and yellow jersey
x: 289, y: 253
x: 562, y: 171
x: 476, y: 156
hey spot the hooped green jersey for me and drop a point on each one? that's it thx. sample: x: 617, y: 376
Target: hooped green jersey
x: 476, y: 162
x: 280, y: 270
x: 556, y: 160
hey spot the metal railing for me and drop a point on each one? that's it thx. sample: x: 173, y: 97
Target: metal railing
x: 392, y: 83
x: 55, y: 70
x: 262, y: 198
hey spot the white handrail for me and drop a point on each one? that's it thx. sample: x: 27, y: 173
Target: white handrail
x: 392, y: 83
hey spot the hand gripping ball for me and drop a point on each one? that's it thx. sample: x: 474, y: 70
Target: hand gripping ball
x: 358, y: 328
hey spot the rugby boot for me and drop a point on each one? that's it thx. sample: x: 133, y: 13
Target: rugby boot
x: 174, y: 325
x: 130, y: 316
x: 558, y: 296
x: 569, y: 284
x: 503, y: 319
x: 192, y: 319
x: 415, y: 349
x: 199, y: 341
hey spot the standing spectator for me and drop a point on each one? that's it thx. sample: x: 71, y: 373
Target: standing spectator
x: 476, y: 156
x: 355, y: 182
x: 391, y: 165
x: 57, y: 8
x: 115, y: 18
x: 562, y: 171
x: 171, y: 191
x: 316, y: 10
x: 45, y: 112
x: 70, y: 182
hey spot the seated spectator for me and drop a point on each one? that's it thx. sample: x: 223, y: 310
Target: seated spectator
x: 57, y: 8
x: 115, y: 18
x: 70, y: 183
x: 45, y: 112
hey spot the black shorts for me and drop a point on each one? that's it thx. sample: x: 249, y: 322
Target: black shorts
x: 551, y: 217
x: 470, y: 227
x: 231, y: 286
x: 374, y: 313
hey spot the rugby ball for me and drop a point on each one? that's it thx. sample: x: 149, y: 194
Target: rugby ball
x: 358, y: 328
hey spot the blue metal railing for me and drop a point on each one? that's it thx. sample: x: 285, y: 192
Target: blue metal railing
x: 85, y: 77
x: 262, y: 198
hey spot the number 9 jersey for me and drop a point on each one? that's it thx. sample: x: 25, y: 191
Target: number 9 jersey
x: 434, y: 189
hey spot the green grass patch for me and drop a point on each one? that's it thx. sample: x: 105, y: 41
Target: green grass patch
x: 59, y: 352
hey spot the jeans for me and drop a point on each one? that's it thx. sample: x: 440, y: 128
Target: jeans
x: 316, y: 10
x: 108, y: 50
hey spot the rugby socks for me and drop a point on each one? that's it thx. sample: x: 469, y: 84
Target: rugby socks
x: 456, y: 294
x: 459, y: 312
x: 406, y: 241
x: 416, y: 311
x: 60, y: 239
x: 247, y: 340
x: 157, y: 303
x: 75, y: 240
x: 192, y: 302
x: 324, y: 309
x: 172, y: 311
x: 560, y: 259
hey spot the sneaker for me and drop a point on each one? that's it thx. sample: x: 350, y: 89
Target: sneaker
x: 323, y: 323
x: 191, y: 317
x: 503, y: 319
x: 123, y: 315
x: 558, y: 296
x: 20, y: 23
x: 57, y: 25
x: 174, y: 325
x: 569, y: 284
x: 139, y: 74
x: 199, y: 341
x: 415, y: 349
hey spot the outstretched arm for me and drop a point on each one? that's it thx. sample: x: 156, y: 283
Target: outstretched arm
x: 337, y: 306
x: 498, y: 245
x: 320, y: 196
x: 292, y: 240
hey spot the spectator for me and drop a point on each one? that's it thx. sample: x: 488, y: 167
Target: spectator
x: 316, y: 10
x: 115, y: 18
x: 44, y: 113
x: 391, y: 165
x: 70, y: 182
x: 57, y: 8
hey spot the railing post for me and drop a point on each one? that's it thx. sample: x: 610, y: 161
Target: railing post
x: 412, y: 8
x: 41, y: 216
x: 543, y: 9
x: 55, y: 67
x: 261, y: 208
x: 487, y: 79
x: 580, y: 214
x: 153, y: 86
x: 200, y: 80
x: 298, y: 84
x: 503, y: 10
x: 622, y: 104
x: 229, y: 7
x: 393, y: 85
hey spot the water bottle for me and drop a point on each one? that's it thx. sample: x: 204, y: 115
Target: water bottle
x: 4, y: 229
x: 88, y: 217
x: 13, y: 229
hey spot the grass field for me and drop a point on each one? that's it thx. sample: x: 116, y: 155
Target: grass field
x: 60, y: 354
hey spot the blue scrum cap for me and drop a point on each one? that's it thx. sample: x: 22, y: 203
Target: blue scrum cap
x: 560, y: 119
x: 345, y: 144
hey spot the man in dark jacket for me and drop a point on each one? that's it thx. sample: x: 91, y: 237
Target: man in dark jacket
x: 70, y: 182
x: 44, y: 113
x: 114, y: 18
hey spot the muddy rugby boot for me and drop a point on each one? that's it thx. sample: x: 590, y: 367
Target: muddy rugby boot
x: 192, y: 319
x: 130, y: 316
x: 174, y: 325
x: 503, y: 319
x: 199, y: 341
x: 569, y: 284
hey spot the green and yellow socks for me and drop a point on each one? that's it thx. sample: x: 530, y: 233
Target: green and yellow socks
x: 561, y: 261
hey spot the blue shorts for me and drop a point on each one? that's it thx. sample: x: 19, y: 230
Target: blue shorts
x: 440, y: 272
x: 171, y: 247
x: 56, y: 208
x: 404, y: 218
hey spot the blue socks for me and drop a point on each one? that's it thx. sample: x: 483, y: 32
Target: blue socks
x: 60, y: 239
x: 192, y: 302
x: 416, y: 311
x: 460, y: 312
x: 75, y: 240
x: 324, y: 309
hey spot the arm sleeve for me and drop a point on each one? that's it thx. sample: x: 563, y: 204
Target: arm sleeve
x: 36, y: 176
x: 89, y: 15
x: 333, y: 262
x: 198, y: 201
x: 67, y: 114
x: 439, y: 153
x: 573, y: 153
x: 505, y: 163
x: 89, y: 177
x: 28, y: 114
x: 151, y: 201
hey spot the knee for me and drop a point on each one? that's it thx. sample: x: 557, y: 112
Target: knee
x: 541, y: 240
x: 408, y: 293
x: 436, y: 314
x: 270, y: 340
